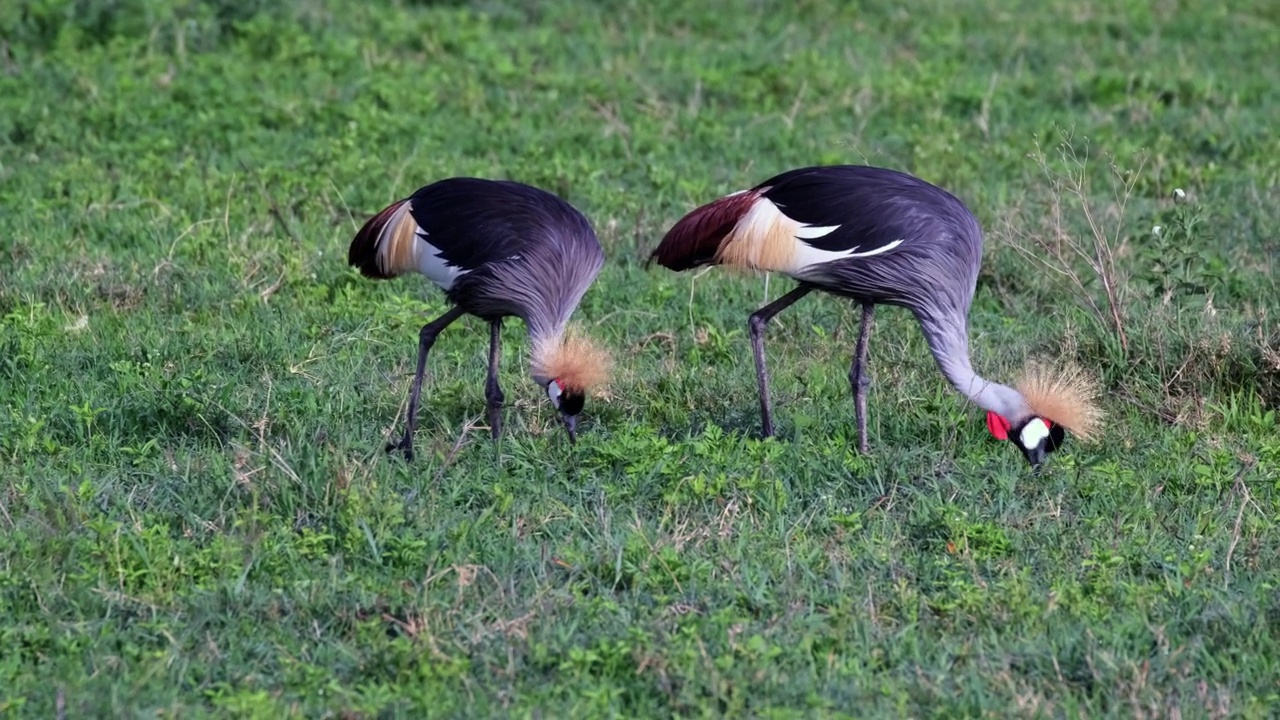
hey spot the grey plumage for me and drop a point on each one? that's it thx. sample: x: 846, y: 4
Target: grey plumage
x: 873, y: 235
x: 498, y: 249
x: 935, y: 277
x: 542, y: 286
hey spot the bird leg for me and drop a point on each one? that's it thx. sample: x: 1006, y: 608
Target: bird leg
x: 858, y: 379
x: 426, y: 338
x: 492, y: 392
x: 755, y: 325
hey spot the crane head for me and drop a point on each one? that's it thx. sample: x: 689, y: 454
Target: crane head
x: 569, y: 402
x: 568, y: 366
x: 1036, y: 437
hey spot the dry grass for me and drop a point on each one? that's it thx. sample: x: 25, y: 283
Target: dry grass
x: 1080, y: 261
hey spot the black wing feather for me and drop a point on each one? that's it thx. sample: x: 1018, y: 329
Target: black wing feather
x: 872, y: 206
x: 475, y: 221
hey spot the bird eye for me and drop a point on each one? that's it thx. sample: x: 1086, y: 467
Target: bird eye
x: 1057, y: 436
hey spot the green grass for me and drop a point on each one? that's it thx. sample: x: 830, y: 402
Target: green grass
x: 197, y: 517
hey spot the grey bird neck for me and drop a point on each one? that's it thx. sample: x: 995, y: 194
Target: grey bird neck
x: 547, y: 322
x: 541, y: 337
x: 949, y: 343
x: 543, y: 286
x: 547, y: 317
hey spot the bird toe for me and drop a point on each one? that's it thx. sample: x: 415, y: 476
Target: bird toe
x: 404, y: 447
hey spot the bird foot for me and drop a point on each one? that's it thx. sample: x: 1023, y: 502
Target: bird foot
x: 495, y: 399
x: 405, y: 446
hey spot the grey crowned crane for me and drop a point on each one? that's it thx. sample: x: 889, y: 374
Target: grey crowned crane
x: 878, y: 236
x: 497, y: 249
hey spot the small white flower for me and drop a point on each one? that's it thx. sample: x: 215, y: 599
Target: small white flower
x: 1178, y: 194
x: 1156, y: 230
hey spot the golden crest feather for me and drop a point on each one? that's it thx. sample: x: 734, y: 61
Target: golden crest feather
x: 1064, y: 394
x: 575, y: 360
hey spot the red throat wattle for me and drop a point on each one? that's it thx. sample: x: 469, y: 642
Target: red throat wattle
x: 998, y: 426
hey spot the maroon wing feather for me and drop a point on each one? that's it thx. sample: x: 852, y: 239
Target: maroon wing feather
x: 696, y: 238
x: 363, y: 252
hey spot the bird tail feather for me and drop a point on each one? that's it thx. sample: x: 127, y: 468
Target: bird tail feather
x: 697, y: 237
x: 386, y: 246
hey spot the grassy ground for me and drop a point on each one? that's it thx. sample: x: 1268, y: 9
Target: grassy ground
x: 197, y: 516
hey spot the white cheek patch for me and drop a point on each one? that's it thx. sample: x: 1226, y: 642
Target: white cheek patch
x: 1033, y: 433
x: 553, y: 392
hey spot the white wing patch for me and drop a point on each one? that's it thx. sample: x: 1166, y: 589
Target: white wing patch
x: 813, y: 232
x: 1033, y: 433
x: 808, y: 255
x: 765, y: 238
x: 877, y: 251
x: 431, y: 264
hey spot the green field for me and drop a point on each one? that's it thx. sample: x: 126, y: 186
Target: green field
x: 197, y: 517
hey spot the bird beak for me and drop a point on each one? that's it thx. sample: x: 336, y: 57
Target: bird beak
x: 1036, y: 458
x: 571, y: 427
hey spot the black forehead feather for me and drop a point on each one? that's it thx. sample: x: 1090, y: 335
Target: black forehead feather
x: 571, y: 403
